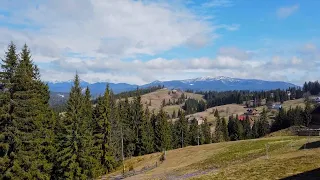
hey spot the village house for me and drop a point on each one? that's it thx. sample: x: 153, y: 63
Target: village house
x: 251, y: 112
x: 254, y: 103
x: 317, y: 100
x: 200, y: 120
x: 276, y: 106
x: 242, y: 117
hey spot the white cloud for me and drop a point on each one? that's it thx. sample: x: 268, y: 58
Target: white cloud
x: 97, y: 37
x: 285, y: 12
x: 235, y: 52
x: 123, y: 28
x: 140, y: 72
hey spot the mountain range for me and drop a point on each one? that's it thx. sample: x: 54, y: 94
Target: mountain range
x: 220, y: 83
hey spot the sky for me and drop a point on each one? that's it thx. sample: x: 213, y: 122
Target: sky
x: 140, y: 41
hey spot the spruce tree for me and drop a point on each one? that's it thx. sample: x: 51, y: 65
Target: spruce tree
x: 128, y: 128
x: 182, y: 131
x: 263, y: 124
x: 28, y: 120
x: 235, y: 129
x: 116, y: 130
x: 206, y: 132
x: 162, y: 132
x: 176, y: 142
x: 138, y: 123
x: 280, y: 121
x: 147, y: 134
x: 255, y: 129
x: 93, y: 164
x: 224, y: 129
x: 7, y: 141
x: 247, y: 128
x: 239, y: 130
x: 102, y: 132
x: 74, y: 156
x: 219, y: 136
x: 194, y: 132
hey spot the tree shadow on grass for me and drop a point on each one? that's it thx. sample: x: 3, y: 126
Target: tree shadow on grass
x: 310, y: 175
x: 311, y: 145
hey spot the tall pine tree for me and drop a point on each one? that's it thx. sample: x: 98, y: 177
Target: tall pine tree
x: 7, y: 141
x: 162, y: 132
x: 138, y: 123
x: 147, y: 134
x: 75, y: 144
x: 263, y: 124
x: 102, y: 132
x: 194, y: 132
x: 206, y: 132
x: 27, y: 123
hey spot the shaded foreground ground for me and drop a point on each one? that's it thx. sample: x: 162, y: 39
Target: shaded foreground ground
x: 310, y: 175
x: 266, y: 158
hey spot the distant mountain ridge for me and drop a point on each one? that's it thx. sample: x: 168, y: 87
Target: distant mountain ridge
x: 220, y: 83
x: 95, y: 88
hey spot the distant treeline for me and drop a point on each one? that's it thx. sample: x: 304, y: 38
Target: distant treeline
x: 142, y: 91
x: 312, y: 87
x: 215, y: 98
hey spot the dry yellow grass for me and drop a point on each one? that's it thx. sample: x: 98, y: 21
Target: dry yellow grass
x: 163, y: 94
x: 224, y: 111
x: 282, y: 163
x: 284, y: 132
x: 234, y: 160
x: 293, y: 103
x: 171, y: 108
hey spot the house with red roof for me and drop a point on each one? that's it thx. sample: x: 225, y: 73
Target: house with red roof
x: 242, y: 117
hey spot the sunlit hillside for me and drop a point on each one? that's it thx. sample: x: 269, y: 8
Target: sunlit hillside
x: 265, y: 158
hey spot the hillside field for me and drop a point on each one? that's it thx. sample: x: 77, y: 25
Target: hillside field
x: 224, y: 110
x: 163, y: 94
x: 244, y: 159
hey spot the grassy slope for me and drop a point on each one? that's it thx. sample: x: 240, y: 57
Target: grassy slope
x: 234, y: 160
x: 288, y: 104
x: 294, y: 103
x: 233, y: 109
x: 224, y: 111
x: 158, y: 96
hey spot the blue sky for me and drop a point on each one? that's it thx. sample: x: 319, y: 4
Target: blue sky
x: 141, y: 41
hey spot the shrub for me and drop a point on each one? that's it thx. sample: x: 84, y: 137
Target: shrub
x: 131, y: 167
x: 162, y: 157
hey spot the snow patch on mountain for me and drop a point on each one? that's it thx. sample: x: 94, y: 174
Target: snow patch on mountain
x: 61, y: 95
x: 223, y: 79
